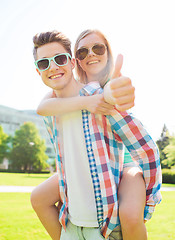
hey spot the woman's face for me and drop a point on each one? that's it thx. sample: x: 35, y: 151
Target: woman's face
x: 93, y: 64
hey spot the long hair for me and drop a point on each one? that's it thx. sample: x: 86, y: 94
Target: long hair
x: 107, y: 71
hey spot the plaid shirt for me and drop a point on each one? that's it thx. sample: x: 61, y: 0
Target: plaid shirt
x: 105, y: 137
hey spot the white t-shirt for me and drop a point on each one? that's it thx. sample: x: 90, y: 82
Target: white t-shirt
x: 81, y: 199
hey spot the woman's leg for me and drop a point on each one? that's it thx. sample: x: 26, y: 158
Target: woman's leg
x: 132, y: 199
x: 43, y: 200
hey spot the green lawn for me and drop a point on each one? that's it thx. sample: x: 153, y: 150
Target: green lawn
x: 19, y: 222
x: 22, y: 179
x: 168, y: 185
x: 25, y: 179
x: 162, y: 224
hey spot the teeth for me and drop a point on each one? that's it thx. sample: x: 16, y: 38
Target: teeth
x: 92, y: 62
x: 56, y: 76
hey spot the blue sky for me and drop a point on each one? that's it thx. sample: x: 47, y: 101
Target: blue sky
x: 141, y: 30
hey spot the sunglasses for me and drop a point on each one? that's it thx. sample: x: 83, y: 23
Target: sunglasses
x: 98, y: 49
x: 60, y: 60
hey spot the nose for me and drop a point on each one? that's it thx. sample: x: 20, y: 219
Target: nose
x: 90, y: 52
x: 53, y: 65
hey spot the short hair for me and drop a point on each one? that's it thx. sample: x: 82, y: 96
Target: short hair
x: 43, y: 38
x: 107, y: 72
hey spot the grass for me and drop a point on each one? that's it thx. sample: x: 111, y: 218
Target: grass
x: 25, y: 179
x: 168, y: 185
x: 161, y: 226
x: 19, y: 222
x: 22, y: 179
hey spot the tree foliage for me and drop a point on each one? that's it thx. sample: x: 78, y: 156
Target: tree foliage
x: 169, y: 150
x: 4, y: 147
x: 162, y: 143
x: 28, y: 152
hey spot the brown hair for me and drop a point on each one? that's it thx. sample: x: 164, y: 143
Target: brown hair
x: 106, y: 73
x: 43, y: 38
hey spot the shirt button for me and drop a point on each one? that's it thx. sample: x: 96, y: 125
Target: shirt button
x: 89, y: 149
x: 94, y: 173
x: 98, y: 198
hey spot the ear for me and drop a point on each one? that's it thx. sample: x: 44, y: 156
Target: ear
x: 73, y: 63
x: 38, y: 72
x: 79, y: 62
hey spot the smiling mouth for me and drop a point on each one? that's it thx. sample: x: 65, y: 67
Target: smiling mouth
x: 56, y: 76
x: 93, y: 62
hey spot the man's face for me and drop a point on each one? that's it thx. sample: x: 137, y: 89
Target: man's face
x: 56, y: 77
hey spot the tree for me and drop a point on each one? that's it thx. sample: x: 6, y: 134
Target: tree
x: 28, y: 152
x: 162, y: 143
x: 4, y: 147
x: 169, y: 150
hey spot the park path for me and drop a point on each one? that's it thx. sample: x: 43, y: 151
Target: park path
x: 16, y: 188
x: 30, y: 188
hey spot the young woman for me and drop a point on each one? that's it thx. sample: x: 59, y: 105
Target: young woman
x: 91, y: 66
x: 94, y: 62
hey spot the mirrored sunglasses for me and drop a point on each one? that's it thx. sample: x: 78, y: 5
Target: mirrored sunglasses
x: 98, y: 49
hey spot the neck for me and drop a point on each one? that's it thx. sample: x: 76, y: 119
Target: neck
x: 94, y: 78
x: 71, y: 90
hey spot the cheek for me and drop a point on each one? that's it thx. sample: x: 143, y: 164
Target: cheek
x: 82, y: 64
x: 105, y: 58
x: 43, y: 76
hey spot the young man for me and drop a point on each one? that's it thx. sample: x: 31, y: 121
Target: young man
x: 89, y: 153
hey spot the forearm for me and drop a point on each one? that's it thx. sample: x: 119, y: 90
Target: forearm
x: 56, y: 106
x: 94, y: 104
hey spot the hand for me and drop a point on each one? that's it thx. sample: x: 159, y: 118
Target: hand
x: 96, y: 104
x: 119, y: 90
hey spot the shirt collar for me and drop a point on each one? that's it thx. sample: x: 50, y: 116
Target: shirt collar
x: 90, y: 88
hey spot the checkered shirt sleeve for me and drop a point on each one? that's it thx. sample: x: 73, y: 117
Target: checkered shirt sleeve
x: 144, y: 152
x: 50, y: 122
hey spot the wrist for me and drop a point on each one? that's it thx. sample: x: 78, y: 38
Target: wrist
x: 84, y: 102
x: 108, y: 94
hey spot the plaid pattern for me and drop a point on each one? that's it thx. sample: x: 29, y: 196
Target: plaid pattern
x: 51, y: 125
x: 116, y: 234
x: 105, y: 136
x: 93, y: 168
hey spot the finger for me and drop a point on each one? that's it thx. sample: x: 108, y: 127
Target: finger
x: 119, y: 82
x: 106, y: 112
x: 118, y: 66
x: 102, y: 104
x: 107, y: 106
x: 123, y: 91
x: 125, y: 107
x: 125, y: 99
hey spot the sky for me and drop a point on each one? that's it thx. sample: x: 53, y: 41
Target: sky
x: 141, y: 30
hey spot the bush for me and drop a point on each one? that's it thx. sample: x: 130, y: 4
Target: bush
x: 168, y: 176
x: 21, y: 171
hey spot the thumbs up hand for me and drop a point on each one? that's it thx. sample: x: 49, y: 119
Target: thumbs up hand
x: 118, y: 67
x: 119, y: 90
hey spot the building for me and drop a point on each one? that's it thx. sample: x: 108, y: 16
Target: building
x: 11, y: 119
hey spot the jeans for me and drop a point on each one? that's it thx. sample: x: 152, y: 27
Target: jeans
x: 74, y: 232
